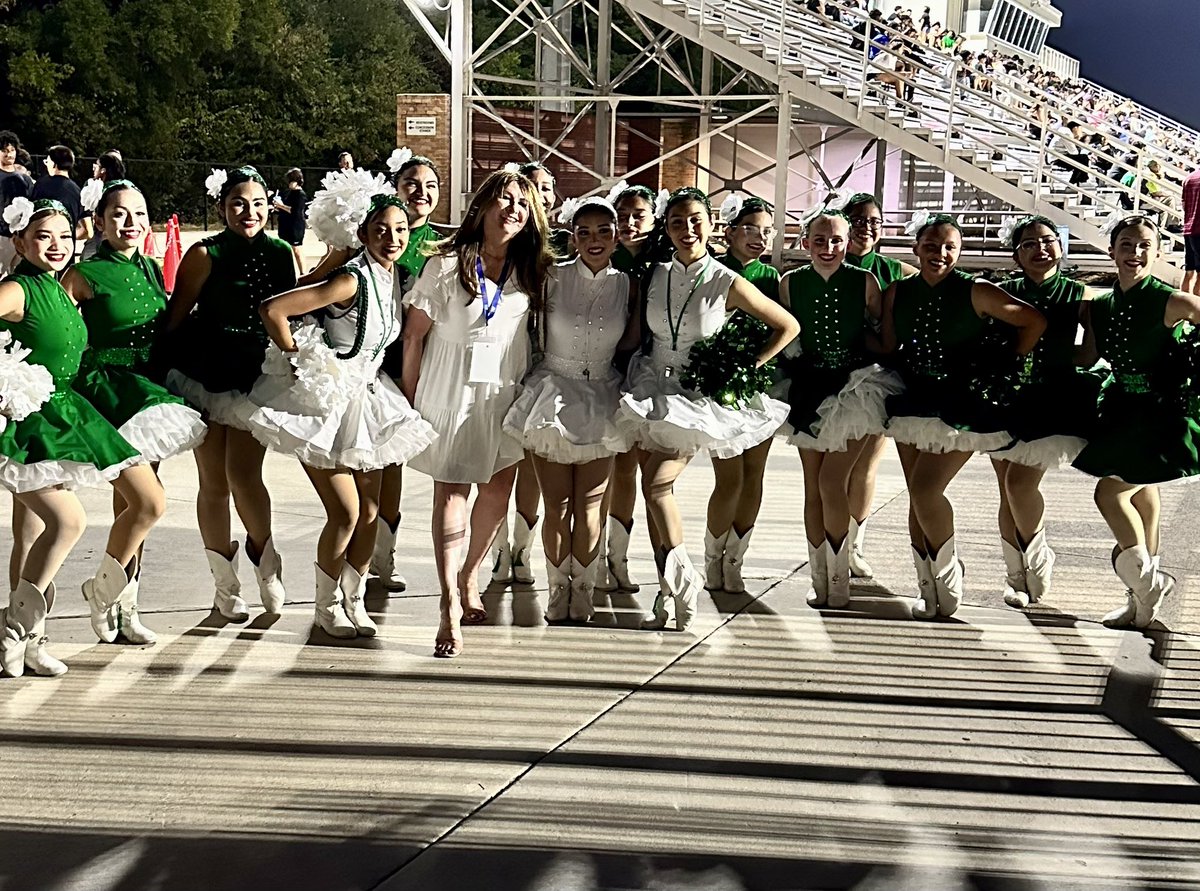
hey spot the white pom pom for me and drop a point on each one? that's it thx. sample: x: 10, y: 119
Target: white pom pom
x: 214, y: 182
x: 24, y: 387
x: 322, y: 381
x: 1110, y: 224
x: 17, y: 214
x: 615, y: 192
x: 398, y: 159
x: 919, y: 219
x: 1007, y: 228
x: 660, y: 204
x: 566, y: 213
x: 511, y: 167
x: 731, y: 207
x: 89, y: 195
x: 341, y: 204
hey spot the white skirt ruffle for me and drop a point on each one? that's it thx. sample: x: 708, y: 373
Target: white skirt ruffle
x: 1048, y: 453
x: 855, y: 411
x: 18, y: 477
x: 374, y: 428
x: 568, y: 420
x: 661, y: 415
x: 935, y: 435
x: 230, y: 408
x: 165, y: 430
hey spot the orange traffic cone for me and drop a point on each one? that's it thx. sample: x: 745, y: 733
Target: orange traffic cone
x: 172, y: 254
x: 150, y: 248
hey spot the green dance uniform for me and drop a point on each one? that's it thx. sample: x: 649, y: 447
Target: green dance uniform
x: 219, y: 352
x: 946, y: 369
x: 122, y: 318
x: 1147, y: 431
x: 762, y: 275
x: 885, y: 269
x: 836, y: 393
x: 66, y: 442
x: 413, y: 259
x: 1052, y: 412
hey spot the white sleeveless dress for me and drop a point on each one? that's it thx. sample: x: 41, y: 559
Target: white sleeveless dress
x: 658, y: 412
x: 370, y: 425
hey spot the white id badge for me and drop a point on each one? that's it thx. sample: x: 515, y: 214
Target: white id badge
x: 485, y: 362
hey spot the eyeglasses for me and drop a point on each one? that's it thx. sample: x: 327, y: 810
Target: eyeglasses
x: 866, y: 222
x: 761, y: 231
x: 1046, y: 241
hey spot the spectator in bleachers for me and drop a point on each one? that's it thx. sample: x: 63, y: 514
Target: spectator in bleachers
x: 1066, y: 142
x: 1191, y: 232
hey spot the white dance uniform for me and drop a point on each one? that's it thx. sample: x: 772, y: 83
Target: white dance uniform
x: 684, y: 306
x: 371, y: 425
x: 471, y: 373
x: 566, y: 411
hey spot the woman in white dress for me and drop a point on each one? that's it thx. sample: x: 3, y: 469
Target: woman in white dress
x: 564, y: 415
x: 325, y: 400
x: 689, y: 299
x: 466, y: 350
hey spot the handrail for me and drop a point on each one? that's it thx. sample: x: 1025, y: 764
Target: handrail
x: 754, y: 18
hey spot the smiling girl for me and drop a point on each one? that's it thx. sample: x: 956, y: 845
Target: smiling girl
x: 1148, y: 430
x: 217, y: 355
x: 64, y: 444
x: 936, y: 321
x: 688, y: 300
x: 466, y: 350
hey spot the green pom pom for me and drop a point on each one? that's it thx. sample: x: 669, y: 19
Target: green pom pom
x: 721, y: 367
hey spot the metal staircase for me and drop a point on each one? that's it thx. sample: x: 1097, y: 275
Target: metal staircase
x: 981, y: 138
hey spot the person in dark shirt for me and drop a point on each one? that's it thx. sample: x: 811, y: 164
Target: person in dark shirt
x: 292, y: 204
x: 59, y: 187
x: 14, y: 183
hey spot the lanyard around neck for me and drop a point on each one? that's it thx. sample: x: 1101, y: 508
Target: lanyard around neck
x: 391, y: 317
x: 676, y: 323
x: 490, y: 307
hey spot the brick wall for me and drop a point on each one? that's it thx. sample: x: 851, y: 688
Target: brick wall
x: 678, y: 170
x: 436, y: 147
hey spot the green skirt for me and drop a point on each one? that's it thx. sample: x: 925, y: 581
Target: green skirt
x: 67, y: 442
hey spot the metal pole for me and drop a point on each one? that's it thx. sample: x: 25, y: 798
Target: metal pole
x: 704, y: 149
x: 783, y: 135
x: 460, y: 52
x: 605, y: 131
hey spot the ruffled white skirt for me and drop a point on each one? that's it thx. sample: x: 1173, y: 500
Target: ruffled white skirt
x: 568, y: 420
x: 661, y: 415
x: 165, y: 430
x: 229, y: 408
x: 19, y: 478
x: 855, y: 411
x: 1048, y: 453
x: 935, y: 435
x: 372, y: 427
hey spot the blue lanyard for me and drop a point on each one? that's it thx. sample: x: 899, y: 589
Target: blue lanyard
x: 489, y: 308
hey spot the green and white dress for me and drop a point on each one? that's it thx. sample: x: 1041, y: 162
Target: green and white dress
x: 217, y: 355
x: 885, y: 269
x: 1148, y: 424
x: 1053, y: 410
x: 67, y: 442
x: 836, y: 393
x: 947, y: 370
x: 123, y: 318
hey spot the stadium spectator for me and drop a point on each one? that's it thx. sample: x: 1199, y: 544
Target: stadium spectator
x: 1191, y: 232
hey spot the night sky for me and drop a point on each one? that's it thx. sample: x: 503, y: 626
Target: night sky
x: 1146, y: 49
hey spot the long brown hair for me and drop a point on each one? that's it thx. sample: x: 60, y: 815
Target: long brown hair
x: 529, y: 251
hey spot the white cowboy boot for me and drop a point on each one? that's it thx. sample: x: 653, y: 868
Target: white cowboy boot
x: 227, y: 600
x: 501, y: 555
x: 23, y: 645
x: 330, y: 615
x: 522, y: 546
x: 947, y: 578
x: 818, y: 574
x: 132, y: 628
x: 618, y: 556
x: 735, y: 555
x: 583, y: 585
x: 103, y: 591
x: 354, y: 588
x: 1147, y: 584
x: 1016, y: 589
x: 269, y: 572
x: 859, y: 567
x: 683, y: 584
x: 714, y: 558
x: 1038, y: 561
x: 926, y: 605
x: 383, y: 560
x: 838, y: 566
x: 604, y: 579
x: 558, y: 600
x: 657, y: 618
